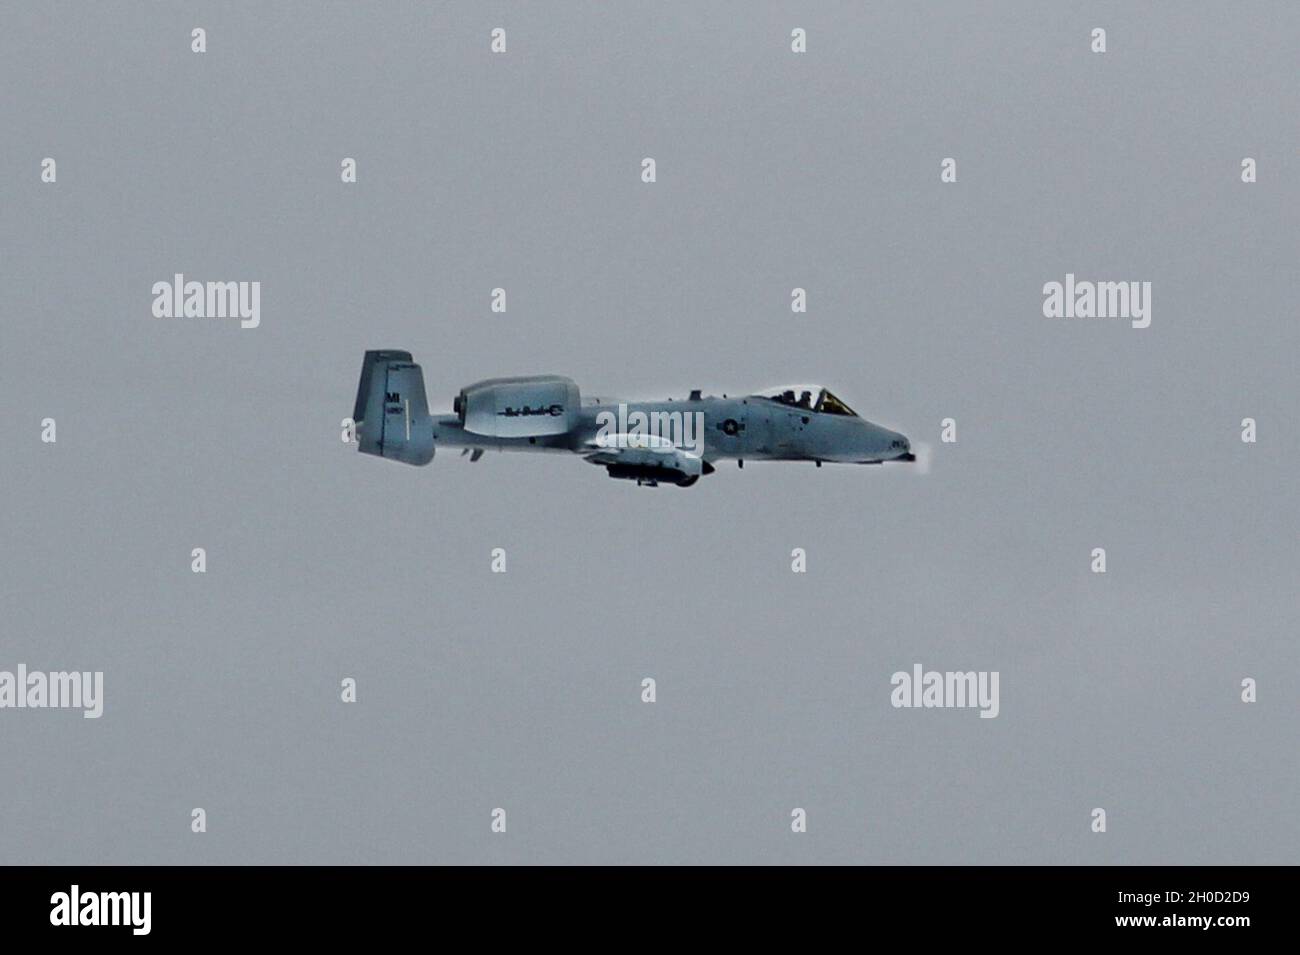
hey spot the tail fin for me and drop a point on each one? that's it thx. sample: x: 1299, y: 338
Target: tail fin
x: 391, y: 412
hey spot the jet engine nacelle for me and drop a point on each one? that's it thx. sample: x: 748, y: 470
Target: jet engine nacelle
x: 519, y: 407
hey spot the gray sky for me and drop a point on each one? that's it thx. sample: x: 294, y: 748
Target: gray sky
x: 775, y: 170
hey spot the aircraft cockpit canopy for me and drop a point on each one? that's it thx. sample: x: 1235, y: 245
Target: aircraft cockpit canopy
x: 810, y: 397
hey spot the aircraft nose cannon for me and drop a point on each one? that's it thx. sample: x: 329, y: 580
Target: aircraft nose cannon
x: 919, y: 456
x: 900, y: 449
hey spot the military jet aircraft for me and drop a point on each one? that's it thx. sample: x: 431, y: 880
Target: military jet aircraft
x: 671, y: 441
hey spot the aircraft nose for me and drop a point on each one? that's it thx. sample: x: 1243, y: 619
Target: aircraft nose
x: 906, y: 445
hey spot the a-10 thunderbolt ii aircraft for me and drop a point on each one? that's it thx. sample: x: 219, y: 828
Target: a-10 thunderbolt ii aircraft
x: 650, y: 442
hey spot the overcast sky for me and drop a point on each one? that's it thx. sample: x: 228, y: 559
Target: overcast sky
x: 522, y: 690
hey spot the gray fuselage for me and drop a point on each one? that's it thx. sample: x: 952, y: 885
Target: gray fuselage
x: 752, y: 427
